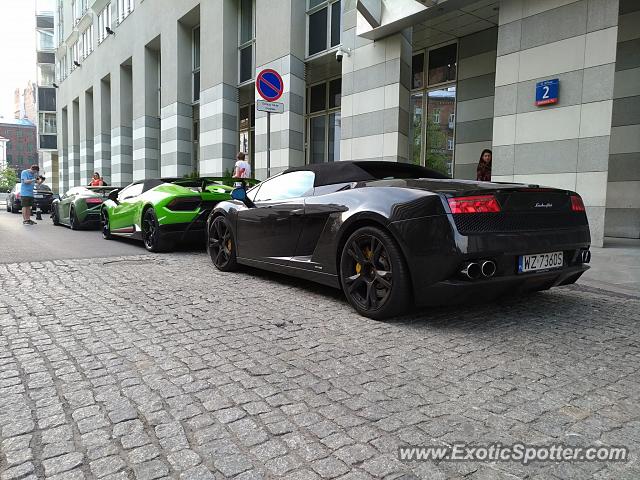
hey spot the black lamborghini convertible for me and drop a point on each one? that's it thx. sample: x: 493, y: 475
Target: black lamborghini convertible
x: 393, y: 235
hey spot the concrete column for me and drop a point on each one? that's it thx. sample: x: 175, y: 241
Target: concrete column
x: 623, y: 191
x: 146, y: 114
x: 121, y: 127
x: 102, y: 129
x: 475, y: 100
x: 566, y: 144
x: 63, y: 159
x: 375, y: 94
x: 176, y: 114
x: 283, y: 23
x: 86, y: 137
x: 218, y: 80
x: 74, y: 144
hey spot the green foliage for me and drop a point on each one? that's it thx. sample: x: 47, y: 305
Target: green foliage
x: 227, y: 173
x: 193, y: 175
x: 8, y: 178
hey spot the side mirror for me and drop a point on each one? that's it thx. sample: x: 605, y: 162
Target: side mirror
x: 239, y: 193
x: 113, y: 195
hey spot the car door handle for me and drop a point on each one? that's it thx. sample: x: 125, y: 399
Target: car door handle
x: 297, y: 211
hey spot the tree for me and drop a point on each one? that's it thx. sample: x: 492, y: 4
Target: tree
x: 8, y: 178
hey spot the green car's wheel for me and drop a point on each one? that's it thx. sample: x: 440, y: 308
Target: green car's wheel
x: 106, y: 229
x: 151, y: 235
x: 54, y: 216
x: 74, y: 223
x: 220, y: 245
x: 374, y: 276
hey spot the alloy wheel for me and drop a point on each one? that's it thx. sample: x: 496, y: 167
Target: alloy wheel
x: 149, y: 232
x: 367, y: 272
x: 106, y: 229
x: 220, y: 243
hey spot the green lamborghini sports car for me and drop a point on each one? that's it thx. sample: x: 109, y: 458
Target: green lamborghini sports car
x: 80, y: 207
x: 162, y: 212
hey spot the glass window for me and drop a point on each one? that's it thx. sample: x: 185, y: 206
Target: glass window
x: 246, y: 21
x: 442, y: 64
x: 324, y: 121
x: 316, y: 139
x: 334, y: 136
x: 196, y: 64
x: 47, y: 99
x: 45, y: 40
x: 131, y: 191
x: 288, y: 185
x: 417, y: 71
x: 104, y: 22
x: 335, y: 24
x: 246, y: 63
x: 415, y: 129
x: 439, y: 156
x: 317, y: 98
x: 47, y: 123
x: 246, y: 39
x: 46, y: 74
x: 335, y: 93
x: 48, y: 141
x: 125, y: 7
x: 324, y: 28
x: 318, y: 31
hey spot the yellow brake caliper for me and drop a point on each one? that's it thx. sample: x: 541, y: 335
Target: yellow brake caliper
x: 367, y: 253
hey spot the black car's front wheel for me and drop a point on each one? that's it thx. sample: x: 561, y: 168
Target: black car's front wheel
x: 220, y: 245
x: 374, y: 275
x: 151, y: 235
x: 106, y: 227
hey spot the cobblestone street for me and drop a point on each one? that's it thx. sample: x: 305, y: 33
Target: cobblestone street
x: 157, y: 366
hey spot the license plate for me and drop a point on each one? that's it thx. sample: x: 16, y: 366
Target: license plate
x: 38, y: 196
x: 540, y: 261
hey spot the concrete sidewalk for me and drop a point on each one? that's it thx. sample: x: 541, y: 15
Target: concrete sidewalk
x: 616, y: 267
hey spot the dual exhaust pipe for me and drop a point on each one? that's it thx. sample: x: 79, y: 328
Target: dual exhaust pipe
x: 475, y: 270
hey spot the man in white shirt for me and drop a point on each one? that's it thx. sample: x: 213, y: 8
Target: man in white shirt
x: 242, y: 168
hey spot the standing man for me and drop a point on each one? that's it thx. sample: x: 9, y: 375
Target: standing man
x: 242, y: 168
x: 27, y: 181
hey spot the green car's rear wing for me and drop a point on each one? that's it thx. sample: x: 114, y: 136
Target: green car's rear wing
x: 203, y: 182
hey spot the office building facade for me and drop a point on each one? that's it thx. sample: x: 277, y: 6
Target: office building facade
x: 154, y: 88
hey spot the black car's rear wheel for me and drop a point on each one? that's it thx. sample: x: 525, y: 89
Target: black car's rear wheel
x: 151, y: 234
x: 221, y: 245
x: 373, y: 273
x: 74, y: 223
x: 54, y: 216
x: 106, y: 227
x: 14, y: 209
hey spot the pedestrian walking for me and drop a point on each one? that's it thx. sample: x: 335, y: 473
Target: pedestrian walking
x: 483, y: 172
x: 28, y: 179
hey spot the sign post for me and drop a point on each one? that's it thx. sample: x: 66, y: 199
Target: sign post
x: 270, y: 86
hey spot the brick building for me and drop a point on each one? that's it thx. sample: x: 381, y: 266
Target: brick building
x: 22, y: 148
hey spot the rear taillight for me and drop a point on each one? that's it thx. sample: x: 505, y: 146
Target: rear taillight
x: 93, y: 201
x: 576, y: 203
x: 17, y: 195
x: 474, y: 204
x: 186, y: 204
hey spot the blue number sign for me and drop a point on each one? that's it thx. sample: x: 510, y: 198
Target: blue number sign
x: 547, y: 92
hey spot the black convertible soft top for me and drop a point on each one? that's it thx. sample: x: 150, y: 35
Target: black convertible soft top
x: 362, y: 171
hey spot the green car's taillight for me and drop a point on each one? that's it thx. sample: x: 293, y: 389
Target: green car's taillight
x: 187, y: 204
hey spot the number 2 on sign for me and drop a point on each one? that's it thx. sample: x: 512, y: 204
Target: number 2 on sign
x: 545, y: 95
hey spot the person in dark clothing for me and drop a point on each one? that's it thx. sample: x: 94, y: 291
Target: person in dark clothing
x: 483, y: 172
